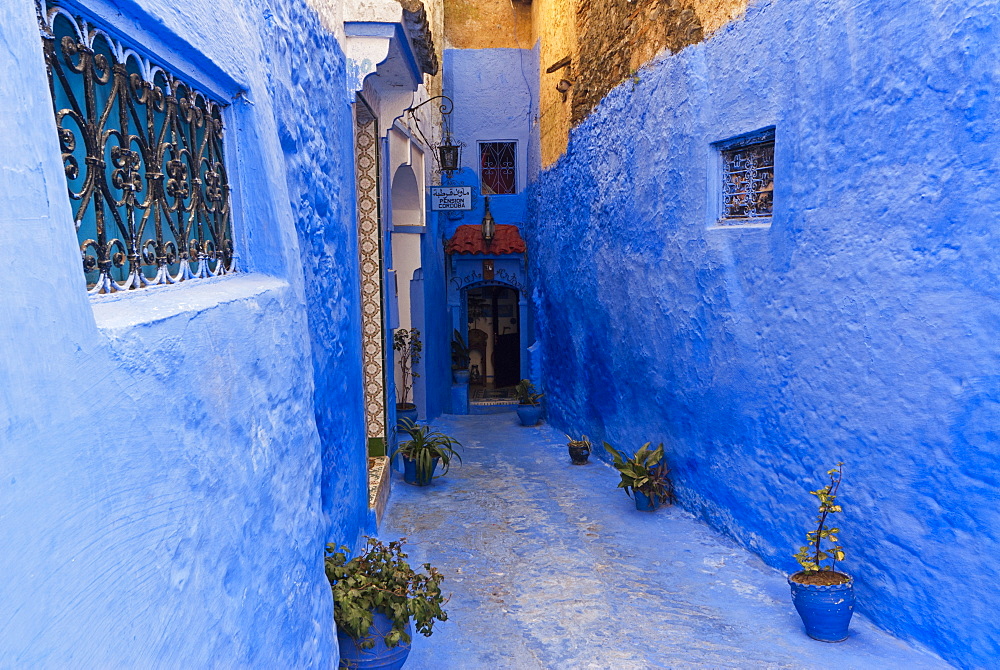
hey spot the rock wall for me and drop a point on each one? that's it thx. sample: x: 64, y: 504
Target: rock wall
x: 860, y: 326
x: 163, y: 453
x: 315, y: 128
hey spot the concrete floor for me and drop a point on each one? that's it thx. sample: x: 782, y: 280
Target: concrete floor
x: 545, y: 570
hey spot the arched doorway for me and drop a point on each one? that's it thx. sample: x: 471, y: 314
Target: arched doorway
x: 494, y: 338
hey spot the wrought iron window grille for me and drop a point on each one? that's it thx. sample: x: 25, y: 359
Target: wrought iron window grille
x: 498, y: 167
x: 143, y: 157
x: 747, y: 178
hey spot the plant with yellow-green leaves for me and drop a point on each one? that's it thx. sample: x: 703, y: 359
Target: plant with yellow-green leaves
x: 822, y: 543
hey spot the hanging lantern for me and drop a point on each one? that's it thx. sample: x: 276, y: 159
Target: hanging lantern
x: 489, y: 225
x: 450, y: 155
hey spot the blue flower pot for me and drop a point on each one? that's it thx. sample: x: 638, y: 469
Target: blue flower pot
x: 352, y: 655
x: 410, y: 472
x: 407, y: 412
x: 825, y: 610
x: 461, y: 376
x: 529, y: 414
x: 643, y: 502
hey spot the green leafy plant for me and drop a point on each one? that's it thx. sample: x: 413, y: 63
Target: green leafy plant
x: 424, y: 446
x: 459, y: 352
x: 409, y: 346
x: 527, y: 394
x: 380, y: 580
x: 821, y: 544
x: 646, y: 472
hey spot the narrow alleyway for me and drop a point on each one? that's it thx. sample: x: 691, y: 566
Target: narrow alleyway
x: 550, y: 566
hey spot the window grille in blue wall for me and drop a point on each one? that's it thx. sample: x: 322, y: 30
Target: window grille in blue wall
x: 143, y: 156
x: 497, y: 167
x: 748, y: 177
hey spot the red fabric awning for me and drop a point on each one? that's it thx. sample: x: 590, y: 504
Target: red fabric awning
x: 469, y: 240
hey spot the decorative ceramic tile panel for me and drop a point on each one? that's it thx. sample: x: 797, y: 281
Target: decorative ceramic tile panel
x: 370, y: 245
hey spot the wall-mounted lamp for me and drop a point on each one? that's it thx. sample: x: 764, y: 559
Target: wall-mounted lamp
x: 449, y: 152
x: 489, y: 225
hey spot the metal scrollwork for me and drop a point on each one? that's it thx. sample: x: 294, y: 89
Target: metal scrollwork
x: 143, y: 156
x: 748, y: 178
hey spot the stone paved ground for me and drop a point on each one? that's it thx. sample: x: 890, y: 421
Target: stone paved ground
x: 549, y: 566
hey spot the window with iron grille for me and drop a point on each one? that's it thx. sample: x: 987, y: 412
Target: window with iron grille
x: 497, y: 167
x: 747, y: 178
x: 143, y: 157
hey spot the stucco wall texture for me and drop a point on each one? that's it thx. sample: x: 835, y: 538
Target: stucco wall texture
x: 861, y: 326
x: 160, y: 462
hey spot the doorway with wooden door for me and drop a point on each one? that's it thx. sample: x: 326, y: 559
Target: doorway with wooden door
x: 494, y: 338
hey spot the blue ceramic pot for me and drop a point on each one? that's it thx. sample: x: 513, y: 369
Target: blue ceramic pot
x: 825, y: 610
x: 410, y: 472
x: 643, y: 502
x: 381, y: 657
x: 461, y: 376
x: 409, y: 411
x: 529, y: 414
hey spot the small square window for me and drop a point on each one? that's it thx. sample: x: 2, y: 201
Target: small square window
x: 497, y: 167
x: 747, y: 188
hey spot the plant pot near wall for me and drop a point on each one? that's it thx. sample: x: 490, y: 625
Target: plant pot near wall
x: 579, y: 454
x: 410, y: 475
x: 405, y: 411
x: 644, y: 503
x: 461, y: 376
x: 379, y: 657
x: 529, y: 414
x: 826, y: 610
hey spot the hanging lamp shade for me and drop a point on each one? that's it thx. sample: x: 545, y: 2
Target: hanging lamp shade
x: 450, y: 155
x: 489, y: 225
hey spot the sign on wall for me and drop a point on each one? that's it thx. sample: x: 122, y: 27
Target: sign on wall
x: 451, y: 198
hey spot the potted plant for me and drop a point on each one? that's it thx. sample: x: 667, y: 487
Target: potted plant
x: 822, y: 595
x: 579, y: 450
x: 529, y: 410
x: 422, y: 452
x: 407, y: 343
x: 375, y: 596
x: 646, y: 475
x: 459, y: 358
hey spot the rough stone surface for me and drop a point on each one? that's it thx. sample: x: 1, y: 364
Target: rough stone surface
x: 305, y: 66
x: 616, y: 38
x: 550, y: 566
x: 861, y: 326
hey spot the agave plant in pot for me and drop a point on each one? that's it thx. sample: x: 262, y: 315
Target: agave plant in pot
x: 423, y: 451
x: 645, y: 475
x: 377, y: 600
x: 529, y: 410
x: 822, y: 595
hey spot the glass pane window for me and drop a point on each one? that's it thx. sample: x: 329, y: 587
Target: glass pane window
x: 143, y: 157
x: 748, y: 177
x: 497, y: 167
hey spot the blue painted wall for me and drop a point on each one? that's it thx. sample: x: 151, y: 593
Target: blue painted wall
x: 861, y: 326
x: 495, y: 92
x: 163, y: 454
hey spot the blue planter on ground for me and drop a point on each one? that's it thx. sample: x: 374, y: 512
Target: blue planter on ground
x: 461, y: 376
x: 408, y: 411
x: 644, y: 503
x: 352, y: 655
x: 825, y: 610
x: 529, y: 414
x: 410, y: 472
